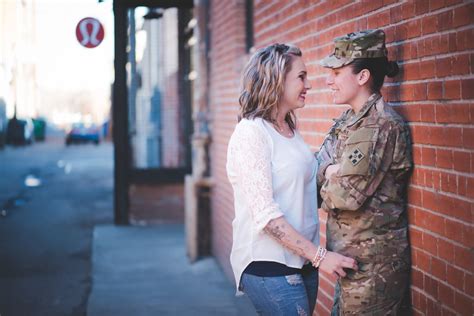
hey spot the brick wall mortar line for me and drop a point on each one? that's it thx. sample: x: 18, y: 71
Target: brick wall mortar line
x: 441, y: 281
x: 433, y: 234
x: 448, y: 194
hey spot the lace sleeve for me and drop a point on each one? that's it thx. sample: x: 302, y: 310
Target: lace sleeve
x: 251, y: 155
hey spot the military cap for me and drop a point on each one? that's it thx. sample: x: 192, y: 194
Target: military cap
x: 362, y: 44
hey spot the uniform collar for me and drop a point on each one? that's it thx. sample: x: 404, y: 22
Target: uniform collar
x: 365, y: 108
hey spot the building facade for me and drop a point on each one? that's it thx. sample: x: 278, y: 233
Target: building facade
x: 432, y: 41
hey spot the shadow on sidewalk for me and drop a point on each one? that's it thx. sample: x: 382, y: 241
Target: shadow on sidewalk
x: 145, y: 271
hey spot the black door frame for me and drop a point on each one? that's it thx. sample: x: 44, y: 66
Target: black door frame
x: 124, y: 174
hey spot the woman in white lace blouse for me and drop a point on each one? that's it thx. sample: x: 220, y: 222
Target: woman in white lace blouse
x: 275, y: 252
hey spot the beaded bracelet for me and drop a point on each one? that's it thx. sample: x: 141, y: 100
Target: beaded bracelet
x: 319, y: 256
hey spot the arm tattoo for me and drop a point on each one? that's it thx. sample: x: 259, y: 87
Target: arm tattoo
x: 283, y: 235
x: 275, y: 232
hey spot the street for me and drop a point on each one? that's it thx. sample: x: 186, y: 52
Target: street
x: 51, y: 197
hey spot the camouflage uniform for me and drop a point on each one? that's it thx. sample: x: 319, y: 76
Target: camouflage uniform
x: 365, y: 201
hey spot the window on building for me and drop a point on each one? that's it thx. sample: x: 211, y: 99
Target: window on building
x: 249, y: 41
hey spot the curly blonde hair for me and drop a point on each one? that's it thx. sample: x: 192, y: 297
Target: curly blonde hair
x: 263, y: 82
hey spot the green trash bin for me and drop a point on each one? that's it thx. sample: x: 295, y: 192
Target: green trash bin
x: 39, y: 129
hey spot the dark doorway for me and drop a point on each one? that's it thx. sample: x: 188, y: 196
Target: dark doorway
x: 151, y: 104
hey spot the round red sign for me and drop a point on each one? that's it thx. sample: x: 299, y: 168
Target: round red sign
x: 89, y: 32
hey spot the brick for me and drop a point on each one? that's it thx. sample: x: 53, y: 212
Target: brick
x: 464, y: 39
x: 436, y: 4
x: 410, y: 112
x: 469, y: 284
x: 444, y: 182
x: 461, y: 184
x: 445, y: 20
x: 446, y: 312
x: 453, y: 136
x: 417, y: 278
x: 446, y: 252
x: 414, y: 28
x: 430, y: 202
x: 468, y: 137
x: 433, y: 222
x: 415, y: 237
x: 417, y: 155
x: 446, y: 293
x: 429, y: 24
x: 463, y: 257
x: 463, y: 304
x: 460, y: 64
x: 443, y: 67
x: 414, y: 196
x: 379, y: 19
x: 468, y: 236
x: 395, y: 14
x: 421, y: 7
x: 435, y: 90
x: 452, y: 113
x: 454, y: 276
x: 427, y: 113
x: 427, y: 69
x: 421, y: 134
x: 415, y: 297
x: 467, y: 88
x: 454, y: 230
x: 462, y: 161
x: 452, y: 42
x: 471, y: 63
x: 442, y: 43
x: 411, y: 71
x: 444, y: 158
x: 430, y: 244
x: 452, y: 89
x: 423, y: 262
x: 470, y: 187
x: 420, y: 92
x: 461, y: 209
x: 428, y: 156
x: 431, y: 286
x: 464, y: 15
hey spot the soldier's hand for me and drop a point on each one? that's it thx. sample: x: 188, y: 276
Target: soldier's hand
x: 332, y: 169
x: 335, y: 263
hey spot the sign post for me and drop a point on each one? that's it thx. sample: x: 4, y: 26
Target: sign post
x: 89, y: 32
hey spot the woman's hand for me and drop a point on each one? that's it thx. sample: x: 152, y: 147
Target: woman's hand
x: 334, y: 263
x: 332, y: 169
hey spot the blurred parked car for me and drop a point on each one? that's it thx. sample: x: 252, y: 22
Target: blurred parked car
x: 3, y: 123
x: 82, y: 132
x: 39, y: 128
x: 20, y: 131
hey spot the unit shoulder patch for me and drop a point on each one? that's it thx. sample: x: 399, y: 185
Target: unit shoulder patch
x: 356, y: 156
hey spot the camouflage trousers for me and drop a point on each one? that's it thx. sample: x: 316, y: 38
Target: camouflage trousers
x: 376, y: 289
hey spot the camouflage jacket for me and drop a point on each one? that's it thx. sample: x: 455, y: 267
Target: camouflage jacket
x: 366, y: 198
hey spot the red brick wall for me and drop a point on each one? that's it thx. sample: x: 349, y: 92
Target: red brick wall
x: 433, y: 42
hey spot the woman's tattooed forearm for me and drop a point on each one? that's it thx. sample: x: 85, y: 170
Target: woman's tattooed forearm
x: 275, y: 230
x: 283, y: 234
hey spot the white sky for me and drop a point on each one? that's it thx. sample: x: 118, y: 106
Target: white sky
x: 63, y: 64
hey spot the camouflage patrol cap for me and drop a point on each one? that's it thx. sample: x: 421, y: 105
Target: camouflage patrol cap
x: 362, y: 44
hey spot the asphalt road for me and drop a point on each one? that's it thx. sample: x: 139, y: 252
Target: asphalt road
x: 46, y: 230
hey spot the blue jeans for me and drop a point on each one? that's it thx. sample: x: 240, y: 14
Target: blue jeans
x: 288, y: 295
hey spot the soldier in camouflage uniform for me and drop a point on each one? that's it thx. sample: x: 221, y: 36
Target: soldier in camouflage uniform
x: 369, y: 151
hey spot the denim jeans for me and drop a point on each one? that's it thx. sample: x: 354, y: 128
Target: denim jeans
x: 288, y: 295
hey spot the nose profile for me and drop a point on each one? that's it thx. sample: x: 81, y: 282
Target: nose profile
x: 329, y: 79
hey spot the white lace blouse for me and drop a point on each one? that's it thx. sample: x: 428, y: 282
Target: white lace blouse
x: 272, y: 176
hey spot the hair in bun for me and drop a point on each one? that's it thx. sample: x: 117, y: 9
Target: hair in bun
x: 392, y: 69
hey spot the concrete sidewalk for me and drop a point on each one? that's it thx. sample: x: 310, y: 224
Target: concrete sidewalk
x: 145, y: 271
